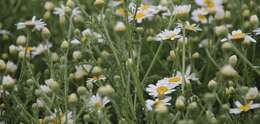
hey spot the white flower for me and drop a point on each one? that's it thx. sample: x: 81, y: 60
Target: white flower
x: 243, y: 108
x: 181, y: 10
x: 145, y: 11
x: 96, y: 78
x: 45, y: 88
x: 61, y: 11
x: 75, y: 41
x: 159, y: 89
x: 210, y: 5
x: 199, y: 15
x: 189, y: 76
x: 8, y: 80
x: 36, y: 24
x: 257, y: 31
x: 238, y: 35
x: 155, y: 104
x: 75, y: 12
x: 98, y: 102
x: 168, y: 35
x: 252, y: 93
x: 40, y: 49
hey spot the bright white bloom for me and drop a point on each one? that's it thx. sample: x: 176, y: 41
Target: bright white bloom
x: 257, y: 31
x: 189, y: 76
x: 98, y: 102
x: 75, y: 12
x: 61, y: 11
x: 41, y: 48
x: 96, y: 78
x: 200, y: 15
x: 181, y: 10
x: 145, y: 11
x: 243, y: 108
x: 160, y: 89
x: 75, y: 41
x: 252, y: 93
x: 155, y: 104
x: 168, y: 35
x: 61, y: 116
x: 36, y: 24
x: 8, y: 80
x: 238, y: 35
x: 210, y: 5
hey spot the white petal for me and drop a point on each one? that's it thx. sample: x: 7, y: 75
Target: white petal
x: 235, y: 111
x: 253, y: 106
x: 247, y: 37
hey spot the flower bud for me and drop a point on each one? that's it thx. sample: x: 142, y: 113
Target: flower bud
x: 49, y: 6
x: 72, y: 98
x: 46, y: 34
x: 140, y: 29
x: 228, y: 71
x: 254, y: 21
x: 65, y: 44
x: 62, y: 20
x: 11, y: 67
x: 105, y: 54
x: 195, y: 55
x: 227, y: 14
x: 172, y: 55
x: 221, y: 30
x: 90, y: 85
x: 232, y: 60
x: 21, y: 40
x: 78, y: 19
x: 46, y: 15
x: 82, y: 90
x: 193, y: 106
x: 106, y: 90
x: 161, y: 109
x: 97, y: 70
x: 12, y: 49
x: 54, y: 57
x: 76, y: 55
x: 227, y: 45
x: 99, y: 2
x: 210, y: 98
x: 246, y: 13
x: 225, y: 107
x: 5, y: 55
x: 129, y: 62
x: 180, y: 102
x: 70, y: 3
x: 212, y: 85
x: 120, y: 27
x: 8, y: 82
x: 2, y: 65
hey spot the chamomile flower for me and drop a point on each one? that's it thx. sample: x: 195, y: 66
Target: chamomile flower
x: 98, y: 102
x: 61, y: 116
x: 200, y: 15
x: 238, y: 35
x: 181, y: 10
x: 168, y: 35
x: 60, y: 11
x: 159, y: 89
x: 210, y: 5
x: 252, y: 93
x: 41, y: 48
x: 174, y: 80
x: 75, y: 12
x: 8, y: 80
x: 96, y: 78
x: 45, y: 89
x: 188, y: 76
x: 243, y: 108
x: 36, y: 24
x: 155, y: 104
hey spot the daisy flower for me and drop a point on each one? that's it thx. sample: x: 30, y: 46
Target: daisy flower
x: 168, y: 35
x: 210, y: 5
x: 252, y: 93
x: 155, y: 104
x: 96, y: 78
x: 243, y: 108
x: 238, y: 35
x: 60, y: 11
x: 75, y: 12
x: 200, y: 15
x: 188, y: 76
x: 98, y: 102
x: 36, y: 24
x: 181, y: 10
x: 159, y: 89
x: 41, y: 48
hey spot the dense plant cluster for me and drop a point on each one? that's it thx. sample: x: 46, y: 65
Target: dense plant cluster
x: 129, y: 61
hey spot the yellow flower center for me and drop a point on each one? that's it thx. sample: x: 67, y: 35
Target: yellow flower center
x: 174, y: 79
x: 120, y: 11
x: 201, y: 17
x: 162, y: 89
x: 139, y: 15
x: 210, y: 3
x: 98, y: 105
x: 238, y: 35
x: 245, y: 107
x: 28, y: 49
x: 251, y: 97
x: 94, y: 77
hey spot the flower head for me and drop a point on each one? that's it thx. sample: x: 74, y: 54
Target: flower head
x: 243, y: 108
x: 252, y: 93
x: 160, y: 89
x: 168, y: 35
x: 98, y: 102
x: 155, y: 104
x: 181, y: 10
x: 200, y: 15
x: 36, y: 24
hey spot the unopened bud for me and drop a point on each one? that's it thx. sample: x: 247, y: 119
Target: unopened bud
x: 180, y: 102
x: 76, y: 55
x: 228, y: 71
x: 106, y: 90
x: 195, y: 55
x: 82, y: 90
x: 99, y: 2
x: 254, y: 21
x: 46, y: 34
x: 65, y: 44
x: 232, y: 60
x: 212, y: 85
x: 120, y: 27
x: 72, y: 98
x: 21, y: 40
x: 2, y: 64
